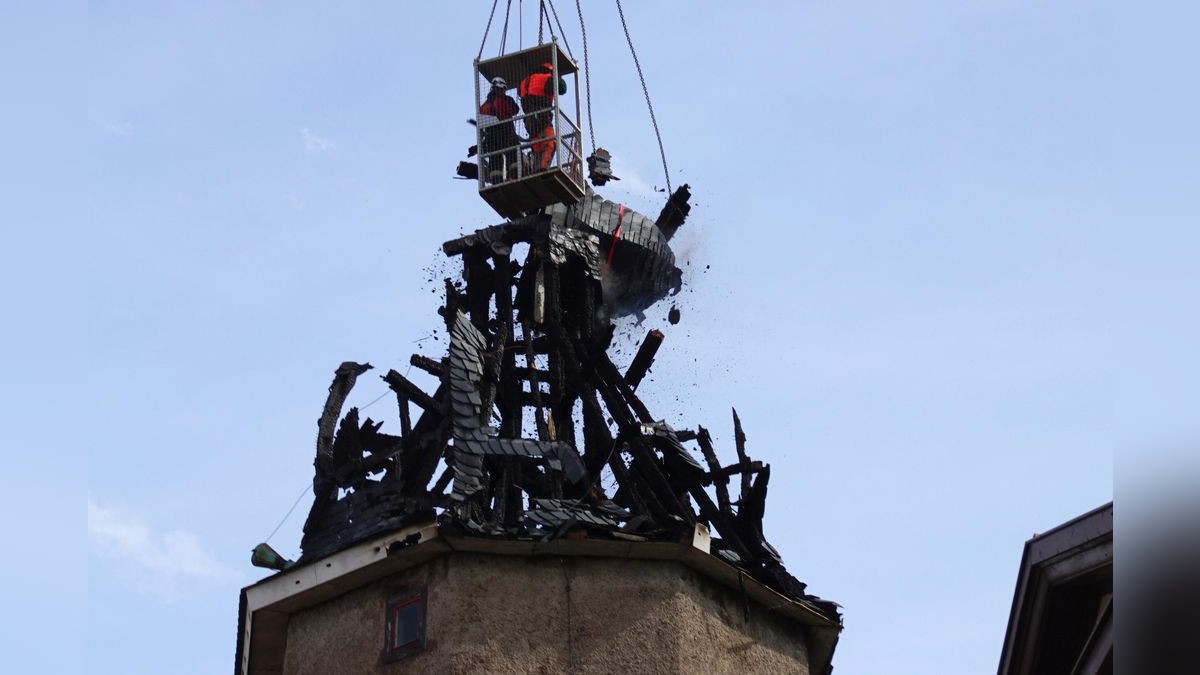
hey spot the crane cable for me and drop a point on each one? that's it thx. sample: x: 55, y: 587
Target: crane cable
x: 587, y: 76
x: 653, y: 121
x: 487, y: 29
x: 541, y: 16
x: 561, y: 33
x: 504, y: 35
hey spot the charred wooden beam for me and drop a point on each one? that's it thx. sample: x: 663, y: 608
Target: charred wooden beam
x: 644, y: 358
x: 619, y: 407
x: 720, y: 482
x: 405, y: 416
x: 509, y: 504
x: 723, y: 473
x: 431, y: 366
x: 530, y: 374
x: 423, y: 448
x: 378, y: 462
x: 343, y: 381
x: 405, y: 387
x: 722, y: 519
x: 455, y: 301
x: 640, y: 491
x: 505, y: 234
x: 675, y: 211
x: 443, y: 481
x: 346, y: 447
x: 739, y: 438
x: 374, y: 441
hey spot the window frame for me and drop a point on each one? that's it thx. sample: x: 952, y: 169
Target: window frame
x: 392, y: 651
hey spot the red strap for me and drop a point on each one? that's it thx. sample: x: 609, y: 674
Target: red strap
x: 616, y: 235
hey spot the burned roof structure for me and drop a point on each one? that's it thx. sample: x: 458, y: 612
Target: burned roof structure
x: 530, y: 410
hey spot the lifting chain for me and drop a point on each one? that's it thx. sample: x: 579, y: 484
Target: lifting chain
x: 587, y: 77
x: 653, y: 121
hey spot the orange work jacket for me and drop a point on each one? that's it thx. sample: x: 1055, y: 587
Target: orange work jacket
x: 537, y: 84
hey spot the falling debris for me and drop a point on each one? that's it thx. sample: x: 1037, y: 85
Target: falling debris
x: 529, y: 349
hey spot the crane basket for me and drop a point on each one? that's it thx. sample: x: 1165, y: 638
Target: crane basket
x: 530, y: 148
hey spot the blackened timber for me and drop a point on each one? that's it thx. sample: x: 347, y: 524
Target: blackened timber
x: 535, y: 386
x: 405, y: 387
x: 443, y: 481
x: 454, y: 302
x: 509, y: 503
x: 641, y: 493
x: 599, y: 446
x: 431, y: 366
x: 739, y: 438
x: 720, y: 483
x: 554, y: 330
x: 644, y: 358
x: 723, y: 474
x: 507, y: 233
x: 479, y: 288
x: 722, y: 519
x: 511, y: 409
x: 379, y: 461
x: 675, y: 211
x: 564, y: 421
x: 405, y: 416
x: 609, y: 373
x: 643, y: 454
x: 424, y: 447
x: 343, y: 381
x: 373, y: 441
x: 531, y: 374
x: 346, y: 446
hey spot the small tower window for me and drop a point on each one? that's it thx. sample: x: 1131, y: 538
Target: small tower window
x: 405, y: 626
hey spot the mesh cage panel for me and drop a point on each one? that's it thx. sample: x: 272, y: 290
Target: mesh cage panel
x: 528, y: 131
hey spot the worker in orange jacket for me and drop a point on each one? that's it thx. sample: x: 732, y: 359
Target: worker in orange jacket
x: 543, y: 147
x: 537, y: 92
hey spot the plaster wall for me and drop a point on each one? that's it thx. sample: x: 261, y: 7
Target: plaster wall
x: 504, y: 614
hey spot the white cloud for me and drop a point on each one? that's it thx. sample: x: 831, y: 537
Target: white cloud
x: 314, y: 143
x: 169, y: 565
x: 294, y: 201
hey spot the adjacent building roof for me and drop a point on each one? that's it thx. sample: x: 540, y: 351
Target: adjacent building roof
x: 1061, y: 619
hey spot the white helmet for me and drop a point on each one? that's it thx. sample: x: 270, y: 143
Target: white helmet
x: 499, y: 82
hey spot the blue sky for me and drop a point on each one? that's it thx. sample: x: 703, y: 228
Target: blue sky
x: 905, y: 267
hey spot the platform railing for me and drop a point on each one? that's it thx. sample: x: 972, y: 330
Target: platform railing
x: 501, y: 160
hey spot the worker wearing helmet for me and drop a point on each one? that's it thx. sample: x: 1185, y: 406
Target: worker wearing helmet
x: 497, y: 131
x: 537, y: 92
x: 543, y: 147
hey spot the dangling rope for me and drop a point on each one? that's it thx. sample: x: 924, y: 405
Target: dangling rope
x: 487, y: 29
x: 653, y: 121
x: 587, y: 76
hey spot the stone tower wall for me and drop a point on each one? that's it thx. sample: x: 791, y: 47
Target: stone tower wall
x: 505, y: 614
